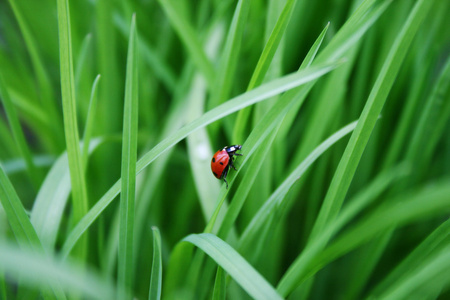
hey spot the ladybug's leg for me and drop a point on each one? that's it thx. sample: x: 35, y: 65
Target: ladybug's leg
x: 224, y: 174
x: 230, y: 163
x: 225, y: 182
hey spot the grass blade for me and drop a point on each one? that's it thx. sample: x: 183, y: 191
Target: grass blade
x: 156, y: 277
x: 278, y: 196
x: 48, y: 207
x: 90, y: 121
x: 247, y: 181
x: 36, y: 270
x: 264, y: 63
x: 358, y: 141
x: 230, y: 53
x: 18, y: 134
x: 22, y: 228
x: 79, y: 193
x: 220, y: 285
x: 16, y: 215
x: 431, y: 276
x: 263, y: 92
x: 129, y: 157
x: 235, y: 265
x: 297, y: 273
x: 425, y: 202
x: 189, y: 38
x: 436, y: 240
x: 45, y: 86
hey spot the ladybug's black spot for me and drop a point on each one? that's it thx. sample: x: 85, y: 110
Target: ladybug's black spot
x: 214, y: 159
x: 221, y: 163
x: 215, y: 174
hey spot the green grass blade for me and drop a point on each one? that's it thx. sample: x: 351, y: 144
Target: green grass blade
x: 266, y: 125
x: 129, y: 157
x: 261, y: 93
x: 78, y: 182
x: 23, y: 229
x: 278, y: 196
x: 17, y: 216
x: 48, y: 207
x: 425, y: 202
x: 153, y: 58
x: 3, y: 291
x: 436, y: 111
x: 107, y: 56
x: 18, y: 134
x: 297, y: 273
x: 244, y: 188
x: 36, y: 270
x: 429, y: 278
x: 435, y: 241
x: 230, y: 54
x: 198, y: 143
x: 90, y: 121
x: 45, y: 85
x: 358, y: 141
x: 235, y: 265
x: 263, y: 64
x: 190, y: 39
x: 199, y: 149
x: 220, y: 290
x: 156, y: 277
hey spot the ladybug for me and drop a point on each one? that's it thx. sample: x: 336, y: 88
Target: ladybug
x: 222, y: 160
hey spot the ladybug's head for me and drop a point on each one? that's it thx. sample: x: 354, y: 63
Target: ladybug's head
x: 233, y: 149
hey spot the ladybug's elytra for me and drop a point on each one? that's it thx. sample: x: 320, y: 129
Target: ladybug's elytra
x: 222, y: 160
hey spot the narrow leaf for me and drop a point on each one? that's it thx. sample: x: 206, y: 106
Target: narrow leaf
x: 79, y: 193
x: 36, y: 270
x: 18, y: 134
x: 358, y: 141
x: 235, y: 265
x: 129, y: 156
x: 156, y: 277
x: 263, y: 92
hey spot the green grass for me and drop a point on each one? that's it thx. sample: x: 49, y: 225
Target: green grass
x: 110, y: 113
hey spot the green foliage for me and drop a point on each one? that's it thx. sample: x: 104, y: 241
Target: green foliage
x: 321, y: 206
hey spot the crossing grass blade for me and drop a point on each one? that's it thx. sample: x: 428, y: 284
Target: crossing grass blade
x: 265, y: 91
x: 238, y: 268
x: 264, y: 63
x: 358, y: 141
x: 434, y: 242
x: 276, y: 199
x: 244, y: 188
x: 298, y: 272
x: 430, y: 277
x: 129, y: 157
x: 425, y: 202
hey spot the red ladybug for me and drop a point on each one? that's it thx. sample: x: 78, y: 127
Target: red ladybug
x: 222, y: 161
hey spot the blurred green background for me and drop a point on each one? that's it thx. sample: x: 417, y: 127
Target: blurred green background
x: 365, y: 214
